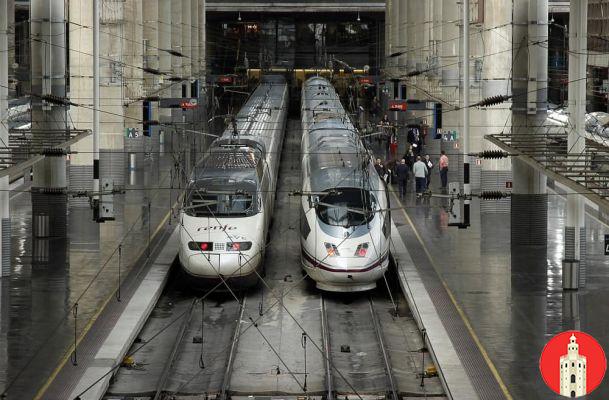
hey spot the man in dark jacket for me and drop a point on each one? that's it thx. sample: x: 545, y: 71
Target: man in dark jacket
x: 380, y: 169
x: 414, y: 138
x: 401, y: 172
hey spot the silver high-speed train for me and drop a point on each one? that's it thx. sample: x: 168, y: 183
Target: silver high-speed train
x: 229, y: 201
x: 345, y: 219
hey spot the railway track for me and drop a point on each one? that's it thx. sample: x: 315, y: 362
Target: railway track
x: 381, y: 342
x: 256, y: 347
x: 357, y: 362
x: 174, y: 352
x: 224, y: 392
x: 188, y: 347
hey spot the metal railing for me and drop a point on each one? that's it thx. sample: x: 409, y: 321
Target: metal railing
x: 586, y: 173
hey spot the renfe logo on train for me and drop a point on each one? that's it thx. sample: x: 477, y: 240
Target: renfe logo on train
x: 217, y: 228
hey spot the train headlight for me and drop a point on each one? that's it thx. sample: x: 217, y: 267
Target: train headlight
x: 332, y: 250
x: 361, y: 250
x: 238, y: 246
x: 200, y: 246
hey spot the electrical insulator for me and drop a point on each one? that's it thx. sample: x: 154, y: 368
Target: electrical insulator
x: 493, y: 195
x: 152, y: 71
x: 493, y: 100
x: 53, y: 151
x: 175, y: 53
x: 414, y: 73
x: 53, y: 99
x: 493, y: 154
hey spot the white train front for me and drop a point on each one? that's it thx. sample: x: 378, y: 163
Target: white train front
x: 229, y: 201
x: 345, y: 221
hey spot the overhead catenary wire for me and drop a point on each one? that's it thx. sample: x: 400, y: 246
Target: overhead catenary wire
x: 266, y: 284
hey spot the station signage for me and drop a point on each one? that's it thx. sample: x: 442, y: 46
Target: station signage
x: 189, y: 104
x: 180, y: 102
x: 398, y: 106
x: 132, y: 133
x: 365, y: 80
x: 225, y: 79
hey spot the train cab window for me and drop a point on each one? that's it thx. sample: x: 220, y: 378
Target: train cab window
x: 350, y: 207
x: 220, y: 204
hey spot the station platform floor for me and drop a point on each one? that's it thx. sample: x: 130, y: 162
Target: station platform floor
x: 38, y: 320
x: 512, y: 297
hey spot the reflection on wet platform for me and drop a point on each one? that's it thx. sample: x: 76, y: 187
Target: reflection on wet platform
x: 70, y: 260
x: 512, y: 294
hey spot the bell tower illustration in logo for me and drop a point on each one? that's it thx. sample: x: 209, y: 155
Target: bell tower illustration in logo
x: 573, y: 371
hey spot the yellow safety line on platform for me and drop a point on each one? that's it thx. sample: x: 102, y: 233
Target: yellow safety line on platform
x: 89, y: 324
x: 468, y: 325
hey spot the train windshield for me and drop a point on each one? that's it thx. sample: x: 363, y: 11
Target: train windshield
x: 220, y: 203
x: 348, y: 207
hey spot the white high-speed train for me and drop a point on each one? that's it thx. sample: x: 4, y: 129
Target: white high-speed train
x: 345, y: 222
x: 229, y: 200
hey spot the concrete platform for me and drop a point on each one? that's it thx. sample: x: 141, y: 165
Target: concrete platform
x: 450, y: 368
x: 510, y: 295
x: 48, y: 275
x: 105, y: 345
x: 458, y: 350
x: 96, y: 378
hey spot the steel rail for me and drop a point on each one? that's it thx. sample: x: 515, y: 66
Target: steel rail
x: 381, y: 342
x: 231, y: 356
x: 174, y: 351
x: 325, y: 334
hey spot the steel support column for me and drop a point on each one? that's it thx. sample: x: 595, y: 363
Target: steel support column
x: 529, y: 199
x: 164, y: 40
x: 395, y: 37
x: 388, y: 37
x: 466, y: 112
x: 403, y: 37
x: 48, y: 76
x: 575, y: 231
x: 5, y: 221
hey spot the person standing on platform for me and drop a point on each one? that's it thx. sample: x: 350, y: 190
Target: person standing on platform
x: 401, y: 171
x: 393, y: 145
x: 420, y: 174
x: 409, y: 156
x: 380, y: 169
x: 429, y: 165
x: 443, y: 169
x: 414, y: 138
x: 383, y: 126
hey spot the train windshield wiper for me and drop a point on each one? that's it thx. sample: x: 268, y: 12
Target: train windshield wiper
x: 204, y: 204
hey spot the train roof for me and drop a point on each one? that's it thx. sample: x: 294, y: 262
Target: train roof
x: 233, y: 161
x: 336, y: 157
x: 255, y: 115
x: 226, y: 165
x: 234, y: 157
x: 273, y: 79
